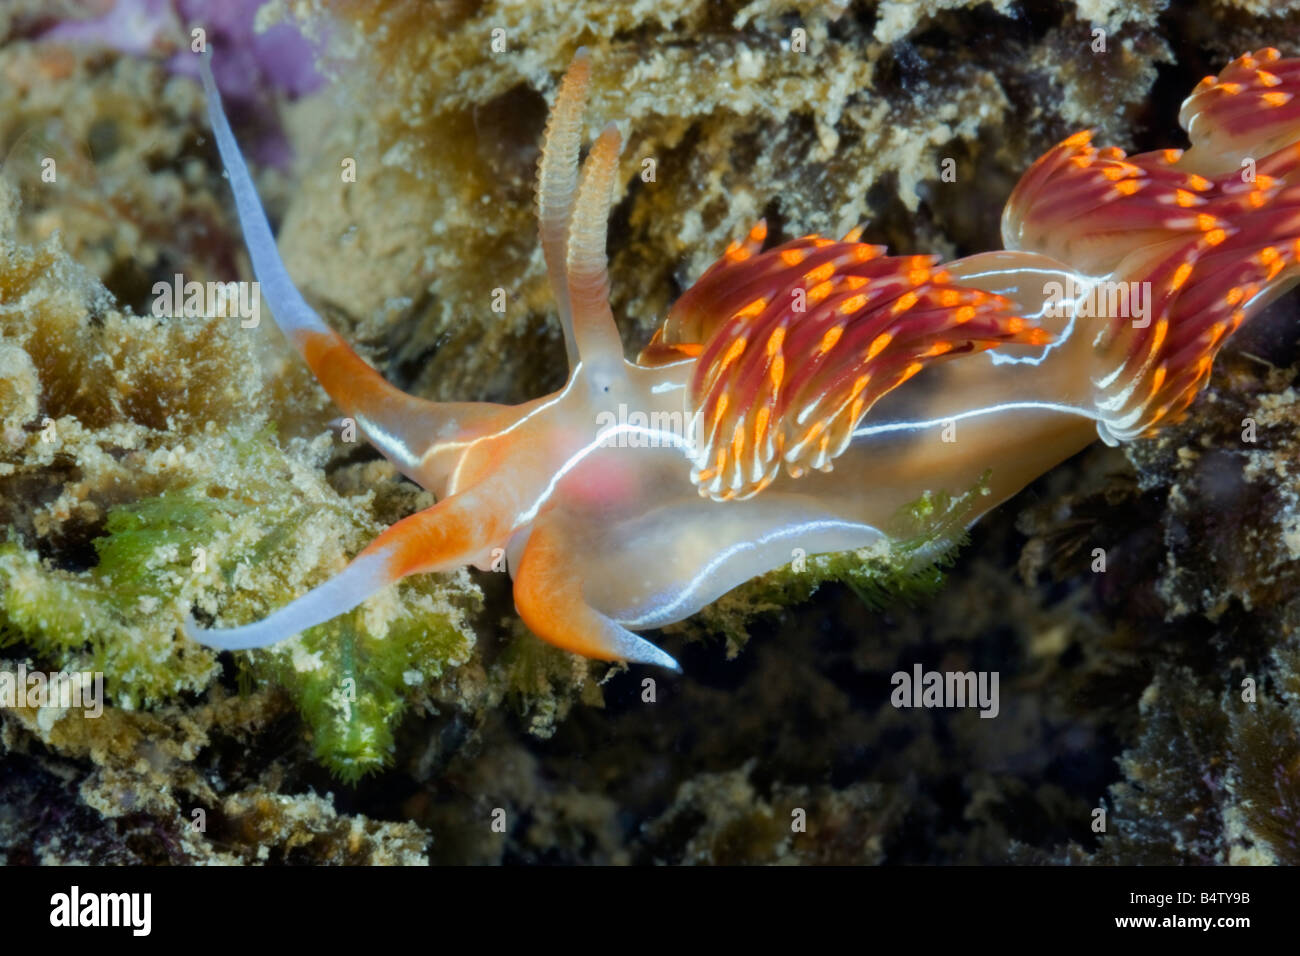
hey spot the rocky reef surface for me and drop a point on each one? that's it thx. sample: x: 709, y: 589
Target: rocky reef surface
x: 153, y: 465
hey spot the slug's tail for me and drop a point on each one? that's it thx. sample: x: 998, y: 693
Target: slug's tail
x: 1174, y: 249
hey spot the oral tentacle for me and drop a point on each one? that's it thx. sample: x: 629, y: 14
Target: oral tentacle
x: 363, y: 578
x: 404, y: 428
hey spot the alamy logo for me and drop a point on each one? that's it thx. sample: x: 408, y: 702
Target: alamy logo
x: 626, y: 428
x: 103, y: 909
x: 212, y: 300
x: 946, y: 689
x: 1099, y: 300
x: 35, y: 689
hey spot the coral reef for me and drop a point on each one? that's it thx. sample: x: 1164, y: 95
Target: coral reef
x: 127, y: 441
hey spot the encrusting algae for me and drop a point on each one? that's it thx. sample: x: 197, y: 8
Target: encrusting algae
x: 140, y: 450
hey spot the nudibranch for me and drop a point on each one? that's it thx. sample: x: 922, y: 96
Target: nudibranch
x: 798, y: 397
